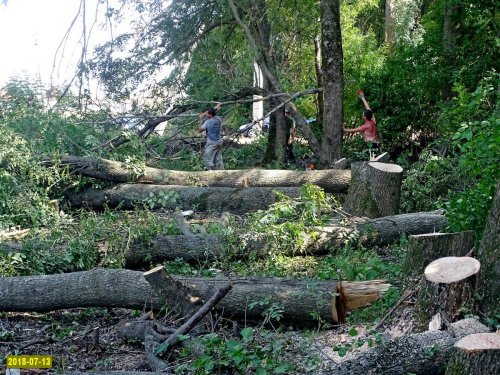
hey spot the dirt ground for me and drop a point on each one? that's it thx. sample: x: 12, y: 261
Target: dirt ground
x: 89, y: 340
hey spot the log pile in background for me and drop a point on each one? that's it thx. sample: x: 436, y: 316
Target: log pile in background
x: 299, y: 298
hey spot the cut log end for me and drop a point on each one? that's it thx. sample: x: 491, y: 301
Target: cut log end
x: 385, y: 167
x: 479, y: 342
x: 451, y: 269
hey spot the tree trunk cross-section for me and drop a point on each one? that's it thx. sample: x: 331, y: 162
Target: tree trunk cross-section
x: 424, y: 353
x: 303, y: 301
x: 449, y: 286
x: 332, y: 181
x: 375, y: 189
x: 128, y: 196
x: 476, y: 354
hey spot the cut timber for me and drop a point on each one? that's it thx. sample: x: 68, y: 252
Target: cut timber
x: 424, y: 353
x: 448, y: 287
x: 201, y: 247
x: 489, y: 255
x: 181, y: 197
x: 300, y: 299
x: 332, y: 181
x: 476, y: 354
x: 324, y: 240
x: 375, y: 189
x: 424, y: 248
x: 341, y: 164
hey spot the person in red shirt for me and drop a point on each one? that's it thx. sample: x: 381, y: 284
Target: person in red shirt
x: 369, y: 128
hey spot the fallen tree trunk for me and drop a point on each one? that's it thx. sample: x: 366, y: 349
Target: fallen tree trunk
x: 249, y: 298
x: 128, y: 196
x: 332, y: 181
x: 424, y: 353
x: 203, y: 247
x: 476, y: 354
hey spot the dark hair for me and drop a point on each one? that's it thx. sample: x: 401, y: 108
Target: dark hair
x: 368, y: 114
x: 211, y: 111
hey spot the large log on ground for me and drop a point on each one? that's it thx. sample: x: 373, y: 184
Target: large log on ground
x: 375, y: 189
x: 489, y: 254
x: 332, y: 181
x: 476, y: 354
x: 424, y: 353
x: 128, y: 196
x: 250, y: 297
x: 424, y: 248
x: 202, y: 247
x: 448, y: 287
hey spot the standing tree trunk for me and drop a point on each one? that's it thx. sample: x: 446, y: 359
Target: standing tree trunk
x: 279, y: 146
x: 389, y: 22
x: 450, y: 35
x: 320, y: 103
x: 333, y: 78
x: 489, y: 255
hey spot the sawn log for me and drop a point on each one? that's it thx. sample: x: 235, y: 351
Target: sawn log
x: 332, y: 181
x: 300, y: 300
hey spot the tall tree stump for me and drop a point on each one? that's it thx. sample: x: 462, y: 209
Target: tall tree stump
x: 448, y: 287
x: 476, y: 354
x: 424, y: 248
x: 375, y: 189
x: 488, y: 254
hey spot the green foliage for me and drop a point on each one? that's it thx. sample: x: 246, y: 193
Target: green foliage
x: 370, y: 340
x: 257, y: 352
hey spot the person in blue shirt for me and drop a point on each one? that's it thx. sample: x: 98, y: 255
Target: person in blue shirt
x: 212, y: 126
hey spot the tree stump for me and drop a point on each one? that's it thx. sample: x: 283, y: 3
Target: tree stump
x: 424, y: 248
x: 488, y: 254
x: 476, y: 354
x: 375, y: 189
x: 448, y: 287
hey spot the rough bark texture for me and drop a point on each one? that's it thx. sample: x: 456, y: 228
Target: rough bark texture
x: 375, y: 189
x: 420, y: 354
x: 445, y: 288
x: 476, y: 354
x: 489, y: 255
x: 249, y: 298
x: 220, y: 199
x: 388, y: 29
x: 330, y: 180
x: 202, y: 247
x: 333, y: 79
x: 425, y: 248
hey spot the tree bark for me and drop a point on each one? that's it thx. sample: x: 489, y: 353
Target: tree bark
x: 476, y: 354
x: 333, y: 78
x: 425, y: 248
x: 375, y: 189
x: 448, y: 288
x: 203, y: 247
x: 489, y: 250
x: 389, y: 22
x: 420, y: 354
x: 330, y: 180
x: 128, y: 196
x: 450, y: 36
x: 303, y: 301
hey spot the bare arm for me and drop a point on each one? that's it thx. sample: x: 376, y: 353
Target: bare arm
x: 362, y: 97
x: 202, y: 117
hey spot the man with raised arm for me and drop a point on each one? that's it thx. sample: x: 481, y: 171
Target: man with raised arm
x: 369, y: 128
